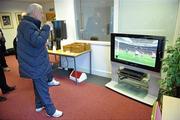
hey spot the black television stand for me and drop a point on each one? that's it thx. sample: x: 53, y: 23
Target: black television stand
x: 129, y: 73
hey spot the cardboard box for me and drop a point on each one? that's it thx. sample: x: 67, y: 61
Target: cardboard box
x: 76, y: 47
x: 67, y: 48
x: 87, y: 46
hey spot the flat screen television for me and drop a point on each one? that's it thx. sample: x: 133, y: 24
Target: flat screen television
x: 142, y: 51
x: 60, y: 31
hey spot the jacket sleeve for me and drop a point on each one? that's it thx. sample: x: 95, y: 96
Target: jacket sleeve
x: 38, y: 38
x: 3, y: 38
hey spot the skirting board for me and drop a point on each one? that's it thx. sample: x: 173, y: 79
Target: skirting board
x: 97, y: 72
x: 147, y: 99
x: 94, y: 71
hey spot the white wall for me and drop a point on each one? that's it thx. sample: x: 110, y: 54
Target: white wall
x: 47, y: 6
x: 65, y: 11
x: 177, y: 31
x: 153, y: 17
x: 116, y: 16
x: 101, y: 63
x: 13, y: 7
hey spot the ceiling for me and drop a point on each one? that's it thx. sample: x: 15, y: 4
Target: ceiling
x: 30, y: 0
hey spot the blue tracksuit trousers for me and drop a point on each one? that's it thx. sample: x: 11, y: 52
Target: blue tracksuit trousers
x: 42, y: 96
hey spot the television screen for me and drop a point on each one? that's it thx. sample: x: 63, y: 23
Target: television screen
x: 142, y: 51
x: 60, y: 32
x: 60, y: 29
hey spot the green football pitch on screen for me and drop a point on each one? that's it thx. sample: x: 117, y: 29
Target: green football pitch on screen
x: 143, y: 59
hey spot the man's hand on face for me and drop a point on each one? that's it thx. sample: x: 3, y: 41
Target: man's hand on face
x: 50, y: 25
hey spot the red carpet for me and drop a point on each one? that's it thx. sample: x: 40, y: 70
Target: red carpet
x: 84, y: 101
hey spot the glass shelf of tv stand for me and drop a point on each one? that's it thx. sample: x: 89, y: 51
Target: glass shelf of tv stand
x: 137, y: 83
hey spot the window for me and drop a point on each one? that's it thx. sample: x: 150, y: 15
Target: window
x: 94, y: 19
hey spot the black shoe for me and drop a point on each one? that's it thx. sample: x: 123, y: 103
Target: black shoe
x: 9, y: 89
x: 2, y: 99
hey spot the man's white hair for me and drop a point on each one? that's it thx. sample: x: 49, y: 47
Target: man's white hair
x: 33, y: 8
